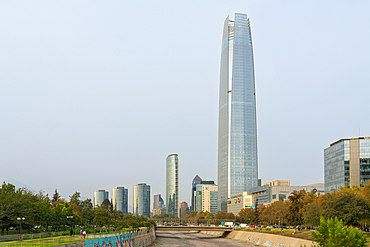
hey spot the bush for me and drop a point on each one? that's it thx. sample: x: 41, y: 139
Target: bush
x: 332, y: 233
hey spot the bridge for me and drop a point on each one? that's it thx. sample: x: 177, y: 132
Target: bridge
x: 194, y: 228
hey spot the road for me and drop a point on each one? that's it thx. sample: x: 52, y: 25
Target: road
x: 177, y: 238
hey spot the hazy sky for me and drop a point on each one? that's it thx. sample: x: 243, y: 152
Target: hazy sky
x: 96, y: 94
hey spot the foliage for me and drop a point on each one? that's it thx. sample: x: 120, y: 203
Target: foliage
x: 349, y: 207
x: 332, y: 233
x: 312, y: 215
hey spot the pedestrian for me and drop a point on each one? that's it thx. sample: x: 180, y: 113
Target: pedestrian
x: 81, y: 233
x: 84, y: 233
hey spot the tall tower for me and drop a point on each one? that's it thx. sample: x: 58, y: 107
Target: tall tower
x: 99, y: 197
x: 120, y: 199
x: 142, y: 199
x: 173, y: 185
x: 237, y: 130
x: 196, y: 180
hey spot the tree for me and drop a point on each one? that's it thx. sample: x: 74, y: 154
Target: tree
x: 75, y: 198
x: 219, y: 215
x: 56, y: 196
x: 102, y: 217
x: 312, y: 215
x: 332, y: 233
x: 295, y: 209
x: 108, y: 205
x: 87, y: 211
x: 349, y: 207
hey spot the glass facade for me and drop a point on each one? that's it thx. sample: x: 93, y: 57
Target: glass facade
x: 120, y: 199
x: 158, y: 202
x: 196, y: 180
x: 142, y: 200
x: 237, y: 133
x: 336, y: 166
x: 347, y: 163
x: 172, y: 185
x: 99, y: 197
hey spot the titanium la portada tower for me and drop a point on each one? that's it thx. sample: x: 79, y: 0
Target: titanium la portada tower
x: 237, y: 130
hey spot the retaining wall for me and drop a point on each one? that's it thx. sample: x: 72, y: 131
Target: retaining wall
x: 264, y: 239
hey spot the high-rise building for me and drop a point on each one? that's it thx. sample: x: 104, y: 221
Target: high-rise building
x: 184, y: 209
x: 120, y: 199
x: 198, y: 194
x: 158, y: 202
x: 237, y: 130
x: 173, y: 185
x: 142, y: 199
x: 210, y: 198
x: 196, y: 180
x: 347, y: 163
x: 99, y: 197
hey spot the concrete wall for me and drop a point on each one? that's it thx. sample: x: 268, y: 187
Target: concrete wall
x: 263, y: 239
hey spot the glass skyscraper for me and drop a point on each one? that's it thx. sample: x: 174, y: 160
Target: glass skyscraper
x: 142, y: 199
x: 173, y: 185
x: 99, y: 197
x: 196, y: 180
x: 120, y: 199
x: 347, y: 163
x: 237, y: 133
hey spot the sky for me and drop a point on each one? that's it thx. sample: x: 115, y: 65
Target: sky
x: 96, y: 94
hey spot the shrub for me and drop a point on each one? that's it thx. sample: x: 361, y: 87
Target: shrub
x: 332, y: 233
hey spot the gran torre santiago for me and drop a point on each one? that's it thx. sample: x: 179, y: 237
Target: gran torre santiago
x: 237, y: 130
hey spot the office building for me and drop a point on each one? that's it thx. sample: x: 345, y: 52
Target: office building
x: 266, y: 194
x: 173, y: 185
x: 142, y: 199
x: 120, y: 199
x: 184, y: 209
x: 237, y: 130
x: 196, y: 180
x: 347, y: 163
x: 157, y: 211
x: 99, y: 197
x: 198, y: 194
x: 210, y: 198
x: 158, y: 202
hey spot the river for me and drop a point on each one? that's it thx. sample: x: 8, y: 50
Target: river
x: 177, y: 238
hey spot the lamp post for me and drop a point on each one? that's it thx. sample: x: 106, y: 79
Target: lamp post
x: 70, y: 217
x: 20, y: 227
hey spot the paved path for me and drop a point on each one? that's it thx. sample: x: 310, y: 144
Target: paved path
x: 193, y: 239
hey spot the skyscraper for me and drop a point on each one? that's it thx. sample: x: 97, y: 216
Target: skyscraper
x: 172, y: 185
x: 196, y: 180
x: 99, y: 197
x: 120, y: 199
x: 347, y: 163
x: 237, y: 130
x: 158, y: 202
x: 142, y: 199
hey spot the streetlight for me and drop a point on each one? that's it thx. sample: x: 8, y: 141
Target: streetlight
x: 20, y: 227
x: 70, y: 217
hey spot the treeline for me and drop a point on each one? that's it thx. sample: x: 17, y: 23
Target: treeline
x: 351, y: 205
x: 44, y: 212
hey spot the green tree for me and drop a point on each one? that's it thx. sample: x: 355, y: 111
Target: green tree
x: 312, y: 215
x: 349, y: 207
x: 56, y: 196
x: 332, y: 233
x: 297, y: 203
x: 102, y: 217
x: 87, y: 211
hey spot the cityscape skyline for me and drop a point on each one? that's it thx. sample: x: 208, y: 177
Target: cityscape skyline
x: 79, y: 94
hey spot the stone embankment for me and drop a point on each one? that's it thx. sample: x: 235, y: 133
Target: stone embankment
x: 263, y: 239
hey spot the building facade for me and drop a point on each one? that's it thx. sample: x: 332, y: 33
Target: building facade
x: 347, y: 163
x: 237, y: 130
x: 239, y: 201
x: 173, y: 185
x: 142, y: 199
x: 184, y: 208
x: 210, y: 199
x: 120, y: 199
x: 196, y: 180
x: 199, y: 194
x: 158, y: 202
x: 99, y: 197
